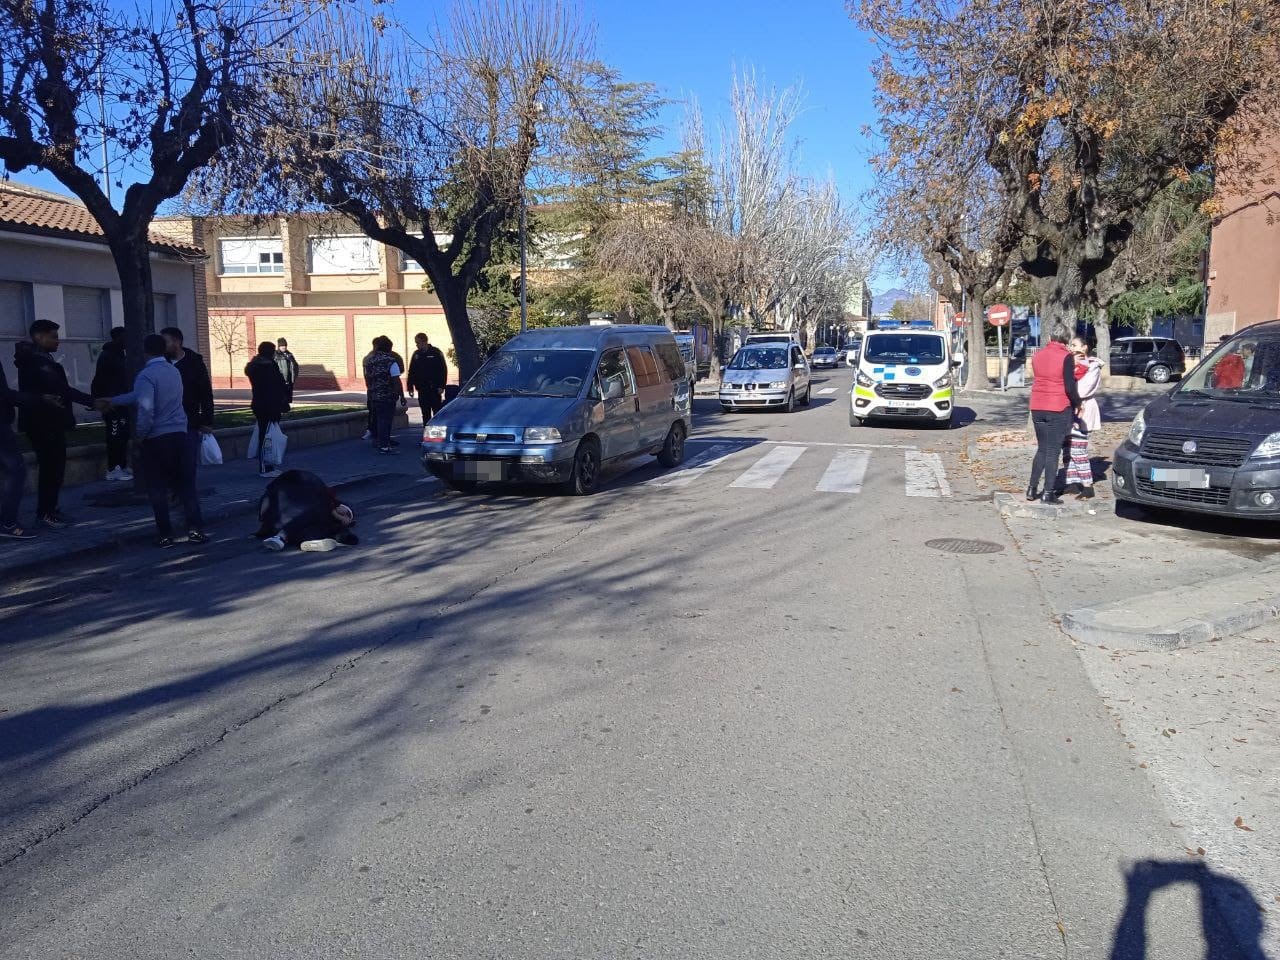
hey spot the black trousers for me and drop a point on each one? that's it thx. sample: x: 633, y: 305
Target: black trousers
x: 430, y: 399
x: 117, y: 429
x: 1051, y: 433
x: 50, y: 448
x: 13, y: 476
x: 168, y: 468
x: 384, y: 414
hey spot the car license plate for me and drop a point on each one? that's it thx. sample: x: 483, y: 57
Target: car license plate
x: 899, y: 403
x: 482, y: 471
x: 1180, y: 477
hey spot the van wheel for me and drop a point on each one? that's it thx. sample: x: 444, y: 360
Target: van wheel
x: 855, y: 420
x: 586, y: 469
x: 672, y: 452
x: 1159, y: 374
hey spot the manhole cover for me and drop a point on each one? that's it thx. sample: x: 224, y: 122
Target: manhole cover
x: 956, y: 545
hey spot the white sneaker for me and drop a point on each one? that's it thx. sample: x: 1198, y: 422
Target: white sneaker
x: 319, y: 546
x: 368, y: 435
x: 275, y: 543
x: 114, y: 474
x: 125, y: 473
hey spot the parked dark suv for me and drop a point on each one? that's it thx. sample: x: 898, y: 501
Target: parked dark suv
x: 1213, y: 444
x: 1157, y: 359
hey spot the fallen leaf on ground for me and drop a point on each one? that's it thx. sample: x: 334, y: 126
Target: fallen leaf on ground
x: 1241, y: 825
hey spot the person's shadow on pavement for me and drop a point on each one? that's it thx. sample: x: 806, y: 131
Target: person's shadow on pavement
x: 1231, y: 919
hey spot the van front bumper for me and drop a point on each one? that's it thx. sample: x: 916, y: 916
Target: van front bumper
x: 498, y: 463
x: 1231, y: 492
x: 937, y: 406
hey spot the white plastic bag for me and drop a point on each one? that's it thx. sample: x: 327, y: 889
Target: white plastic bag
x: 252, y: 454
x: 210, y: 452
x: 276, y: 443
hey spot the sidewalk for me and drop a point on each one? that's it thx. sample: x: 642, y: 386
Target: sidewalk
x: 230, y: 490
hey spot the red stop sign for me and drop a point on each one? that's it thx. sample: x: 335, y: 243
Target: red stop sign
x: 999, y: 315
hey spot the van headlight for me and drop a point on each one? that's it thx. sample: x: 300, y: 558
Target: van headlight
x: 863, y: 380
x: 1268, y: 448
x: 435, y: 433
x: 942, y: 382
x: 541, y: 435
x: 1138, y: 429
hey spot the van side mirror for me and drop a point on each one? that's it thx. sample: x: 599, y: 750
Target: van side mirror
x: 956, y: 362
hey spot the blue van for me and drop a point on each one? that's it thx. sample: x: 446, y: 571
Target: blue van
x: 555, y: 405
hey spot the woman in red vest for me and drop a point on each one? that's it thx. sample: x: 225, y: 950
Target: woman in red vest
x: 1054, y: 402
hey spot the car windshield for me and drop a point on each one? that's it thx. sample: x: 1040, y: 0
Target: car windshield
x: 1246, y: 369
x: 824, y: 350
x: 531, y: 373
x: 760, y: 358
x: 903, y: 348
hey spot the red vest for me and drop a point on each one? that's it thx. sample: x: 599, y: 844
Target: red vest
x: 1048, y: 392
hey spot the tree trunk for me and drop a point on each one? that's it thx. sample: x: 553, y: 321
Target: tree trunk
x: 1063, y: 295
x: 976, y: 345
x: 1102, y: 329
x: 453, y: 299
x: 133, y: 264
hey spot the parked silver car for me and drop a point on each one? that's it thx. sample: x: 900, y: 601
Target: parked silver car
x: 825, y: 357
x: 766, y: 375
x: 554, y: 405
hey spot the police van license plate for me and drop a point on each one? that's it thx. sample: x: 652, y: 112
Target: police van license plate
x: 1180, y: 477
x: 900, y: 403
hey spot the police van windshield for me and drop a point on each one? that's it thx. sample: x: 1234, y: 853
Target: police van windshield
x: 903, y: 348
x: 531, y: 373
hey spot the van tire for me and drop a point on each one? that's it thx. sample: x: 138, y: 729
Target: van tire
x: 855, y: 420
x: 672, y: 452
x: 1159, y: 374
x: 584, y: 476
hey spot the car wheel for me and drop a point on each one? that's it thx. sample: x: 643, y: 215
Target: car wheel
x: 585, y: 476
x: 672, y: 452
x: 1159, y: 374
x: 791, y: 401
x: 808, y: 395
x: 724, y: 407
x: 462, y: 486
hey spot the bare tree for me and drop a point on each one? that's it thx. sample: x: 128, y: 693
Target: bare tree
x: 228, y: 335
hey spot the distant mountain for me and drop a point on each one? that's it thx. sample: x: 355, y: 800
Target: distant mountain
x: 883, y: 302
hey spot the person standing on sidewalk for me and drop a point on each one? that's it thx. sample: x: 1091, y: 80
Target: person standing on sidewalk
x: 46, y: 426
x: 1054, y: 400
x: 197, y: 392
x: 382, y: 377
x: 13, y: 470
x: 110, y: 379
x: 428, y: 374
x: 270, y: 398
x: 288, y: 366
x: 162, y: 430
x: 1088, y: 373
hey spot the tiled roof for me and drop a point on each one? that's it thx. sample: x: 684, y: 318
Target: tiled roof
x: 31, y: 210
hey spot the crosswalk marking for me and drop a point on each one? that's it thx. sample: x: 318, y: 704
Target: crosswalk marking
x: 696, y: 466
x: 845, y: 474
x: 769, y: 469
x: 925, y: 475
x: 825, y: 390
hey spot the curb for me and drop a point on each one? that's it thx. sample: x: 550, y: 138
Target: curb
x: 1103, y: 626
x: 1015, y: 505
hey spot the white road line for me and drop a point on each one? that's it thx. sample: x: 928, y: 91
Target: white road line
x: 925, y: 475
x: 768, y: 470
x: 828, y: 443
x: 696, y: 466
x: 846, y: 472
x: 825, y: 390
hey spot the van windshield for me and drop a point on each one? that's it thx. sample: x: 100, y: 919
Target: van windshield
x: 531, y: 373
x: 760, y: 358
x: 903, y: 348
x: 1245, y: 369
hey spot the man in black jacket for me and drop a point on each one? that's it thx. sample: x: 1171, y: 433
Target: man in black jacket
x: 428, y: 374
x: 197, y: 392
x: 12, y: 467
x: 45, y: 425
x: 288, y: 365
x: 110, y: 379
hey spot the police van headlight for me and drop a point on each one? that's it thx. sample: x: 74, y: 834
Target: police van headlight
x: 864, y: 381
x: 942, y: 382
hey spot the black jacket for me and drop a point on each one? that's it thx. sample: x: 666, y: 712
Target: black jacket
x: 428, y: 370
x: 10, y: 398
x: 270, y: 395
x: 197, y: 390
x: 40, y: 374
x: 111, y: 375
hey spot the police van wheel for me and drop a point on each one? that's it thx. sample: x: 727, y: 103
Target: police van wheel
x: 855, y: 420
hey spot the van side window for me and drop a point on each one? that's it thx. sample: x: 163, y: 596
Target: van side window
x: 644, y: 366
x: 672, y: 361
x: 613, y: 366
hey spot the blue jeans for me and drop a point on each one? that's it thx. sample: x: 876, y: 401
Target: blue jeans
x: 384, y: 415
x: 14, y: 476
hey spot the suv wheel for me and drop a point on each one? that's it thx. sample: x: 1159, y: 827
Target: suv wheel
x: 1159, y: 374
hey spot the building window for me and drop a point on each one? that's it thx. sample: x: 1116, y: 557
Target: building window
x: 342, y: 255
x: 86, y: 313
x: 16, y: 308
x: 166, y: 310
x: 409, y: 265
x: 251, y: 255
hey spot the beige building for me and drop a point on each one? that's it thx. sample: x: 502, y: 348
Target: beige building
x: 55, y: 265
x: 315, y: 281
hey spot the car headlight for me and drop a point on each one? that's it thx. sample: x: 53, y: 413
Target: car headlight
x: 435, y: 434
x: 779, y: 385
x: 541, y: 435
x: 1269, y: 447
x: 942, y: 382
x: 1138, y: 429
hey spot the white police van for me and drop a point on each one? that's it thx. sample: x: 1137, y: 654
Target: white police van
x: 904, y: 375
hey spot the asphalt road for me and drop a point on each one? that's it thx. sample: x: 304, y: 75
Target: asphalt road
x: 739, y: 710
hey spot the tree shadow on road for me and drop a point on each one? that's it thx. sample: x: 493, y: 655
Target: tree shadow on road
x: 1231, y: 919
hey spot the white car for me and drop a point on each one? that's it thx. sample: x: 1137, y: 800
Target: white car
x: 825, y: 357
x: 766, y: 375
